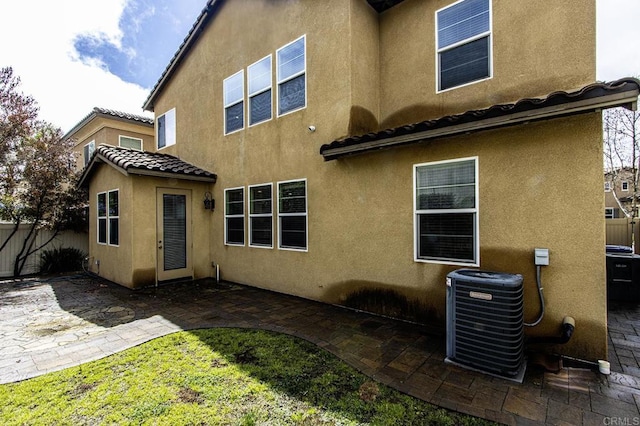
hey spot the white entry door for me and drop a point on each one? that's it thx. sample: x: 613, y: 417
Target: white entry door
x: 174, y: 234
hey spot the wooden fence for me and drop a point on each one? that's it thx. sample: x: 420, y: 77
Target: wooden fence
x: 32, y: 265
x: 619, y: 232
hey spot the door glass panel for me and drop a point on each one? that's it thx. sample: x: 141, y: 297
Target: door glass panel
x: 175, y: 231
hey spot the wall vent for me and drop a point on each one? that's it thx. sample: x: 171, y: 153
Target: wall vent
x: 485, y: 327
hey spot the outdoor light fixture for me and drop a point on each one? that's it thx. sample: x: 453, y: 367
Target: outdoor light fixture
x: 209, y: 202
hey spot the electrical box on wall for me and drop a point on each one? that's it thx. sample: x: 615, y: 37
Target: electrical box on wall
x: 541, y: 256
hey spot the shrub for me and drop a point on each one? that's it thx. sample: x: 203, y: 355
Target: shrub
x: 61, y: 259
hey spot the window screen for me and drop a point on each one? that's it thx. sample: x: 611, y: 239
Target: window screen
x: 260, y: 216
x: 446, y: 211
x: 166, y: 129
x: 129, y: 142
x: 291, y: 70
x: 108, y: 206
x: 234, y: 102
x: 259, y: 81
x: 234, y: 216
x: 292, y: 213
x: 463, y: 42
x: 102, y: 218
x: 88, y: 151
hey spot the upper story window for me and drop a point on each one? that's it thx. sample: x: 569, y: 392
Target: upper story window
x: 463, y: 34
x: 233, y: 88
x: 166, y: 129
x: 129, y: 142
x: 88, y: 151
x: 234, y: 216
x: 109, y: 218
x: 291, y: 74
x: 625, y: 185
x: 607, y: 187
x: 446, y: 212
x: 259, y: 82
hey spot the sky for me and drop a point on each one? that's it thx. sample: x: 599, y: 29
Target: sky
x: 73, y: 55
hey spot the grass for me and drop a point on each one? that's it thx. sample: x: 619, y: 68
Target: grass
x: 216, y: 376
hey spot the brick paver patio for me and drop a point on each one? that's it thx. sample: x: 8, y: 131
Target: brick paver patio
x: 51, y: 324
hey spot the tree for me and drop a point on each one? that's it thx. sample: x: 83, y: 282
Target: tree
x: 18, y: 112
x: 36, y: 171
x: 621, y: 130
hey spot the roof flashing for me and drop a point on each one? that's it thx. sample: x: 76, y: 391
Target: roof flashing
x: 594, y: 97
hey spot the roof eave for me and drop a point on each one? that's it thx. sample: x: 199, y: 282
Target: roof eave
x: 158, y: 173
x: 95, y: 113
x: 627, y: 99
x: 85, y: 177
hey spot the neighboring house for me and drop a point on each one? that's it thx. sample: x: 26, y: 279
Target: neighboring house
x: 105, y: 126
x: 365, y: 149
x: 618, y: 193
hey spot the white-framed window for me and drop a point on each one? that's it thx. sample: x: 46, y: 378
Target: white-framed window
x: 166, y: 129
x: 291, y: 70
x: 88, y: 151
x: 261, y: 215
x: 259, y: 91
x: 234, y: 216
x: 607, y: 187
x: 624, y: 185
x: 446, y: 212
x: 292, y: 215
x: 609, y: 213
x: 463, y: 43
x: 233, y: 89
x: 109, y: 217
x: 130, y: 142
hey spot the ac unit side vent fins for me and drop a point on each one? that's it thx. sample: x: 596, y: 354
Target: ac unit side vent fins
x: 485, y: 327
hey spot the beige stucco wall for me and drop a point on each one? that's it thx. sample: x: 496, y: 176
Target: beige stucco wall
x: 111, y: 262
x: 104, y: 130
x: 538, y: 48
x: 144, y: 236
x: 360, y: 209
x: 133, y: 262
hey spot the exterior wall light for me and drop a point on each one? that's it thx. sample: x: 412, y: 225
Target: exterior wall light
x: 209, y: 202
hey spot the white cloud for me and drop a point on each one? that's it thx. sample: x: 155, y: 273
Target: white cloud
x: 618, y: 29
x: 37, y: 40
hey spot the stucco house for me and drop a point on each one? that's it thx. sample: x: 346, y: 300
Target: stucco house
x: 106, y: 126
x: 618, y: 193
x: 359, y: 151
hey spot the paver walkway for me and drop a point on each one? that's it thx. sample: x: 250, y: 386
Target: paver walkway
x: 48, y: 325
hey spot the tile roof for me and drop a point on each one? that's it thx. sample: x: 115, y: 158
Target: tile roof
x: 109, y: 113
x: 125, y: 115
x: 133, y: 162
x: 623, y: 92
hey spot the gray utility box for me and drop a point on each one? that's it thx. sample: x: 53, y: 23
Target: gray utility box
x: 485, y: 322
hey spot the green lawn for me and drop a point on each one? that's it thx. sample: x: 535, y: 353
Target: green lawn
x: 211, y: 377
